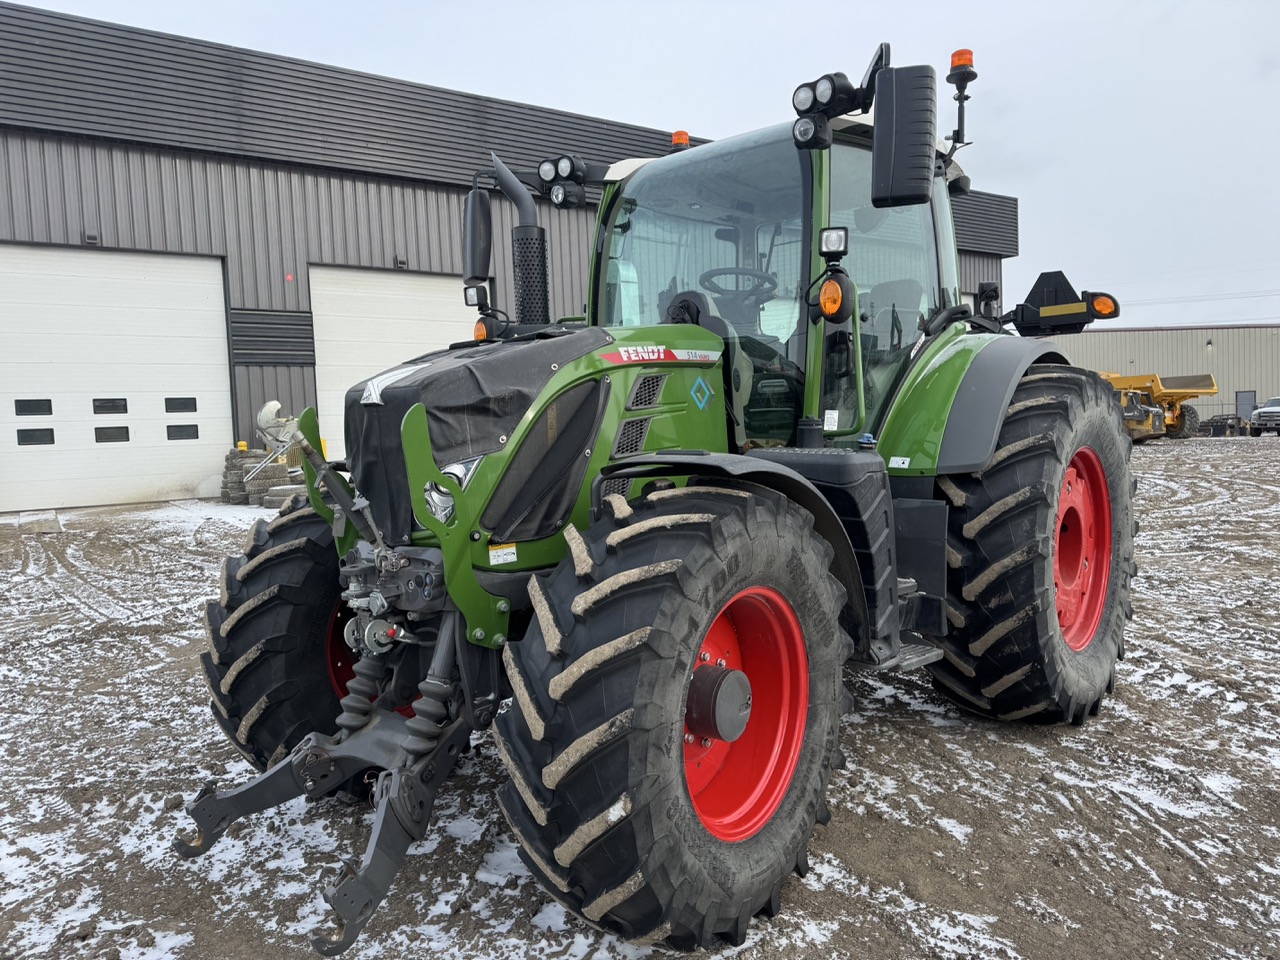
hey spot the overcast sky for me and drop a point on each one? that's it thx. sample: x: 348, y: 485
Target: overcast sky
x: 1141, y: 138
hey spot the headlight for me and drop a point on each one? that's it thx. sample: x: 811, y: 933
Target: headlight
x: 439, y: 502
x: 564, y: 167
x: 802, y: 99
x: 547, y: 170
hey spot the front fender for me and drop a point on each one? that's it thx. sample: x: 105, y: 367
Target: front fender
x: 766, y: 474
x: 946, y: 417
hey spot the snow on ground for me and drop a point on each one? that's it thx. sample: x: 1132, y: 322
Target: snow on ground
x: 1153, y: 831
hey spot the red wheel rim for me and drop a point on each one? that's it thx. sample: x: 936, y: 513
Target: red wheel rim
x: 1082, y: 549
x: 339, y: 655
x: 340, y: 658
x: 737, y: 787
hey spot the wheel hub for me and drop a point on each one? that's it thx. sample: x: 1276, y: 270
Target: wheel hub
x: 719, y: 703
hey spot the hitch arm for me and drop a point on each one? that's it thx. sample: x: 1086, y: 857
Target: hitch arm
x: 405, y: 798
x: 317, y: 766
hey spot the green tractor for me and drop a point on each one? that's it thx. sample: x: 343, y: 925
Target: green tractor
x: 646, y: 543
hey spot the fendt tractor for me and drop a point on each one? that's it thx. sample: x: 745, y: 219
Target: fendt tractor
x: 646, y: 543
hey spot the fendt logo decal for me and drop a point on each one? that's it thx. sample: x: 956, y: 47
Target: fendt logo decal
x: 652, y: 353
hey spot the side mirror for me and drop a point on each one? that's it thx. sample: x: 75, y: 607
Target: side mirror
x: 477, y: 237
x: 904, y: 150
x: 988, y: 294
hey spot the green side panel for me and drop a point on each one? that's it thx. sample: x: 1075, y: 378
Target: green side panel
x: 912, y: 434
x: 689, y: 413
x: 485, y: 614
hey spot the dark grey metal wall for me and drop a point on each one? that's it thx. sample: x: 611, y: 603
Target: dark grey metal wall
x: 268, y: 220
x: 86, y: 77
x: 986, y: 223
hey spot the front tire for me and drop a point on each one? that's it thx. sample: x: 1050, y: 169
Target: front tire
x: 1189, y: 425
x: 1040, y: 556
x: 275, y: 661
x: 626, y: 816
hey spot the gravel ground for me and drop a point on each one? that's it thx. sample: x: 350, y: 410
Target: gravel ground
x: 1153, y: 831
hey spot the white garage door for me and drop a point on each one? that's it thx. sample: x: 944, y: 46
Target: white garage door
x: 368, y: 320
x: 113, y: 377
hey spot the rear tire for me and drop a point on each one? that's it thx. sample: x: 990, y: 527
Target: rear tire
x: 1040, y: 556
x: 273, y: 638
x: 1189, y: 425
x: 624, y: 820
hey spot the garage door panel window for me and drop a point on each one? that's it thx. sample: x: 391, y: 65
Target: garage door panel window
x: 111, y: 434
x: 33, y: 408
x: 179, y: 404
x: 183, y: 431
x: 35, y: 438
x: 114, y: 405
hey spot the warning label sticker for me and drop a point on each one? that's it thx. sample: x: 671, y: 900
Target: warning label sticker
x: 500, y: 553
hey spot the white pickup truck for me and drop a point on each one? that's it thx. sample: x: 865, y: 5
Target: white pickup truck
x: 1266, y: 417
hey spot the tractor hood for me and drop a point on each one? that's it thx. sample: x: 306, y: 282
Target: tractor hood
x: 475, y: 397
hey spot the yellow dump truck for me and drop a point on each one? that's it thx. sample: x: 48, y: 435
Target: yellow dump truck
x: 1156, y: 406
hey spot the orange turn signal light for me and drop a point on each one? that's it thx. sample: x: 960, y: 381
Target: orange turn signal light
x: 962, y: 58
x: 830, y: 297
x: 1104, y: 306
x: 480, y: 331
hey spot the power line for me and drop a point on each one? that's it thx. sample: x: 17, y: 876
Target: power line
x: 1202, y: 298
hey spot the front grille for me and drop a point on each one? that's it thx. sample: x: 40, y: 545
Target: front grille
x: 631, y: 438
x: 619, y: 485
x: 646, y: 391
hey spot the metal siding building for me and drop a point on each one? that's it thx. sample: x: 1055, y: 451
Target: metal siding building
x: 114, y: 138
x: 1241, y: 358
x: 986, y: 227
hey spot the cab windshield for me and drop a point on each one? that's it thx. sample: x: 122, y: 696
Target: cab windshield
x: 721, y: 227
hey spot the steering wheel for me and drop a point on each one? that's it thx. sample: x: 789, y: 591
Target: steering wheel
x: 764, y: 286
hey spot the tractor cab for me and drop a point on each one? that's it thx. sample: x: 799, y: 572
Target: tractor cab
x: 724, y: 236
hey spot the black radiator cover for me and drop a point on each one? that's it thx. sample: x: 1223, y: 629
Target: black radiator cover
x: 474, y: 396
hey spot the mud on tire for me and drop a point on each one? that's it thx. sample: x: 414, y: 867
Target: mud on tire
x: 1035, y: 626
x: 267, y: 635
x: 613, y: 810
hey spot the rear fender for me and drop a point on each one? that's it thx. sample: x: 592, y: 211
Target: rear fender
x: 947, y: 416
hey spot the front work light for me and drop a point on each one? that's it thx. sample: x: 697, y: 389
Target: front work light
x: 571, y: 168
x: 833, y: 243
x: 547, y: 171
x: 476, y: 296
x: 812, y: 132
x: 834, y: 93
x: 803, y: 98
x: 568, y: 194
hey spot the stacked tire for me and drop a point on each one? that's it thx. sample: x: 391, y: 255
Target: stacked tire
x: 236, y: 465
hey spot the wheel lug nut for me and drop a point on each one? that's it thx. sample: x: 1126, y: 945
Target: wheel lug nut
x: 706, y: 741
x: 689, y: 738
x: 704, y: 657
x: 720, y: 662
